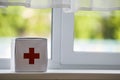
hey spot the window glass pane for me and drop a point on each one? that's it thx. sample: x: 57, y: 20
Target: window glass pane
x: 23, y: 22
x: 96, y: 31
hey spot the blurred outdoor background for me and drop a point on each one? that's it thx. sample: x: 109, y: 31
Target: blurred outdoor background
x: 20, y: 22
x: 97, y: 31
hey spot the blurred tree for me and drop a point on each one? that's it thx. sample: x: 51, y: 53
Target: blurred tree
x: 96, y: 25
x: 20, y: 21
x: 87, y: 25
x: 115, y: 20
x: 109, y: 29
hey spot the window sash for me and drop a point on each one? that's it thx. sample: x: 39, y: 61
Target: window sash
x: 69, y: 57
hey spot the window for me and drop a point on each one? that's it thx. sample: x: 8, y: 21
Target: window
x: 81, y: 41
x: 91, y: 42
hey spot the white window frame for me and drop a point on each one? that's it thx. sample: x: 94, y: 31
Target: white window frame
x: 82, y: 60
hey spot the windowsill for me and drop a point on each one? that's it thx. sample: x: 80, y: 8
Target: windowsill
x: 62, y: 74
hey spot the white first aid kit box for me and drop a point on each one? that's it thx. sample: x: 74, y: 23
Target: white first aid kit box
x: 30, y: 54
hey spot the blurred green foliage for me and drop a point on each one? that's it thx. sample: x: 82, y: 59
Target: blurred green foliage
x: 20, y: 21
x: 97, y: 25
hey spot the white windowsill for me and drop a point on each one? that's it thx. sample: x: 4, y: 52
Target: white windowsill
x: 62, y: 74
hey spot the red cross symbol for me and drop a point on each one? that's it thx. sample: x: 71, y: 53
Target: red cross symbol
x: 31, y: 56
